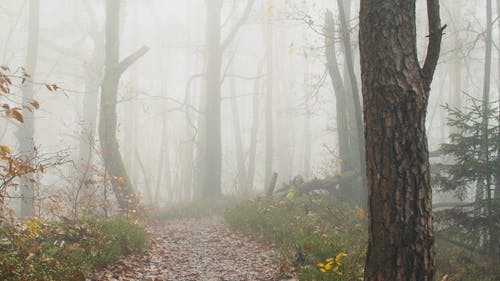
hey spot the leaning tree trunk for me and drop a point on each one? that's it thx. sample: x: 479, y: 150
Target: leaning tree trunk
x: 122, y: 186
x: 395, y: 96
x: 26, y: 131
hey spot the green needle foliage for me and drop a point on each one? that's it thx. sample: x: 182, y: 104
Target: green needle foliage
x: 470, y: 167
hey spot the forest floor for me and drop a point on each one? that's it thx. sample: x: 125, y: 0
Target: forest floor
x: 197, y: 249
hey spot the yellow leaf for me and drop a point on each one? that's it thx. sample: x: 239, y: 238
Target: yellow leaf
x: 5, y: 148
x: 269, y: 10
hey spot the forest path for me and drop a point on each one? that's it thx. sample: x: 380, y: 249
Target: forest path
x: 197, y: 249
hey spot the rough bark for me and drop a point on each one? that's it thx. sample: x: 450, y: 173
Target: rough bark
x: 122, y: 186
x: 395, y: 97
x: 25, y: 134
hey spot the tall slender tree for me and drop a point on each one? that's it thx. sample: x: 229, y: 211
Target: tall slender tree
x: 268, y: 164
x: 26, y: 132
x: 395, y: 96
x: 122, y: 186
x: 210, y: 178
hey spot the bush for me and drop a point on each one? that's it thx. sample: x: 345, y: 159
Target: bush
x: 68, y: 250
x: 323, y: 239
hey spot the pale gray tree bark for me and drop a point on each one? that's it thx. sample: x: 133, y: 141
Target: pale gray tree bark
x: 269, y: 138
x: 210, y: 180
x: 122, y: 186
x: 26, y: 131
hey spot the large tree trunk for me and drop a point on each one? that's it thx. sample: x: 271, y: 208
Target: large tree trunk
x: 26, y: 132
x: 395, y: 96
x: 122, y: 186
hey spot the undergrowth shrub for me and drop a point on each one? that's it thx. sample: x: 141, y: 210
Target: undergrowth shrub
x: 66, y: 250
x: 321, y: 238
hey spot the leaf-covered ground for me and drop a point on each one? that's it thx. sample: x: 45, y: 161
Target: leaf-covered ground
x: 197, y: 249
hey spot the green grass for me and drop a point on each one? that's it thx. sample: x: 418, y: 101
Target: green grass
x: 68, y: 250
x: 307, y: 231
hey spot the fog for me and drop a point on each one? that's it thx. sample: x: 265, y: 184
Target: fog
x: 111, y: 105
x: 161, y: 95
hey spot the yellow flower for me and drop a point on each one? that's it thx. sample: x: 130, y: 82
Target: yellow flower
x: 320, y: 264
x: 328, y: 266
x: 322, y: 270
x: 330, y: 259
x: 339, y: 256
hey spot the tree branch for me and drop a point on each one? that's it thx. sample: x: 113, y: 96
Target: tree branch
x: 131, y: 59
x: 237, y: 26
x: 434, y: 46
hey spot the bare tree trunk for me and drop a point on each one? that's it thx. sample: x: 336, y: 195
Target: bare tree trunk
x: 340, y: 94
x: 395, y: 96
x: 484, y: 186
x: 268, y: 164
x: 497, y: 175
x: 252, y: 151
x: 122, y: 186
x: 307, y: 123
x: 357, y: 134
x: 240, y: 155
x: 211, y: 176
x: 93, y: 76
x: 211, y: 179
x: 25, y: 134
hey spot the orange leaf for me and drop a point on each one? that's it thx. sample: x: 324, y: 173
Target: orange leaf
x: 17, y: 115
